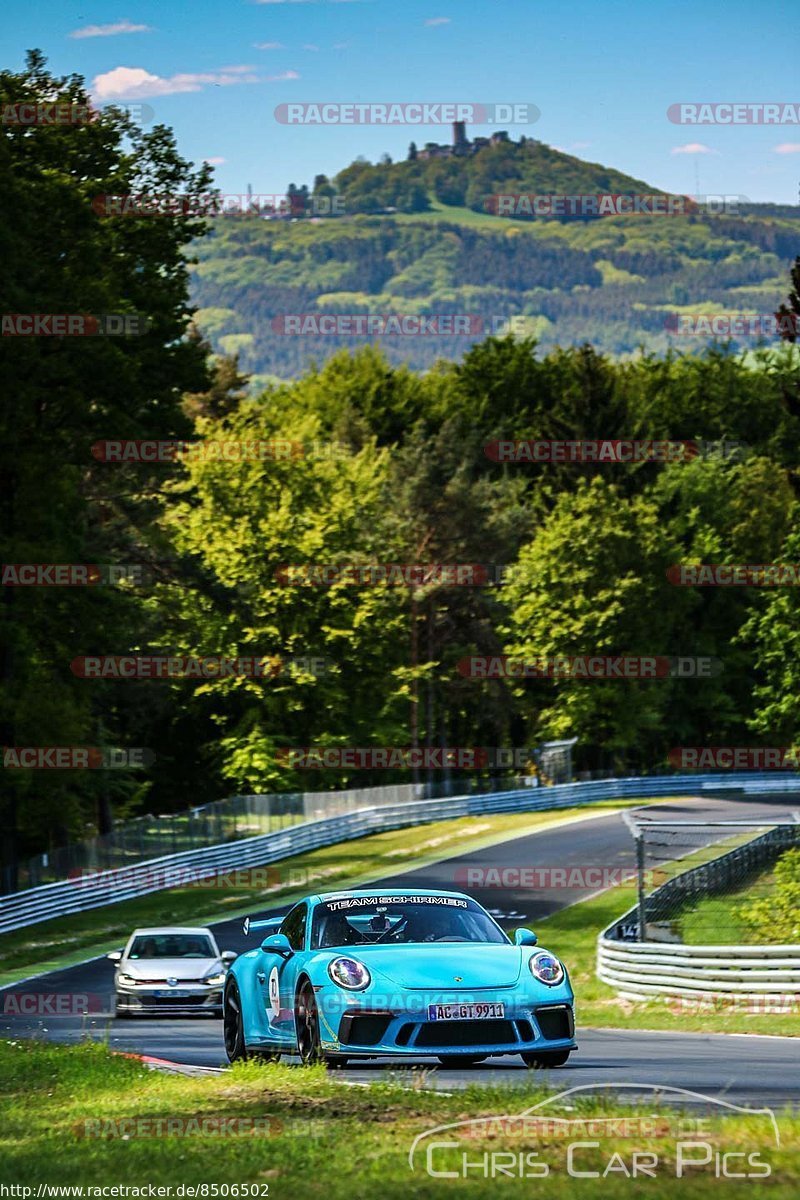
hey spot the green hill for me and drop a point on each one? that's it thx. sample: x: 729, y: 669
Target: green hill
x: 617, y: 281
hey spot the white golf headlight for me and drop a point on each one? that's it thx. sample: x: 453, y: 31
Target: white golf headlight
x: 123, y: 978
x: 546, y: 968
x: 349, y: 973
x: 216, y: 977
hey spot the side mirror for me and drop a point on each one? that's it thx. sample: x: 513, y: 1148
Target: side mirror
x: 525, y: 937
x: 228, y: 956
x: 277, y: 943
x: 115, y: 956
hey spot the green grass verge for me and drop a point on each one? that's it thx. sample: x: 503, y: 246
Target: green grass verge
x: 718, y: 920
x: 82, y: 1116
x: 71, y: 939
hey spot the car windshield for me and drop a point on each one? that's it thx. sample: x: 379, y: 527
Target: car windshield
x: 172, y: 945
x: 394, y: 920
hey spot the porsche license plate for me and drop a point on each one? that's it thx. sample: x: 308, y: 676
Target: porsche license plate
x: 465, y: 1012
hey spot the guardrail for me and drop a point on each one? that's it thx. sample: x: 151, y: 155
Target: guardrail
x: 108, y: 887
x: 641, y: 969
x: 143, y: 838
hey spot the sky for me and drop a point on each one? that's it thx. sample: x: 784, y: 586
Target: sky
x: 602, y: 76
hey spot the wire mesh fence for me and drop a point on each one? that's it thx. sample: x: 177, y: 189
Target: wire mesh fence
x: 232, y: 819
x: 711, y: 883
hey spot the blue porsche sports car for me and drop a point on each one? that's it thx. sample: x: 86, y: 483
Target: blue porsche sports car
x: 361, y: 974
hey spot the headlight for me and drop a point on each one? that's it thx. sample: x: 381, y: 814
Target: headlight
x: 546, y: 968
x: 122, y: 978
x: 217, y: 977
x: 349, y: 973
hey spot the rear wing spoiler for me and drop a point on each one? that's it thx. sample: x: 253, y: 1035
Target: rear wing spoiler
x: 250, y: 926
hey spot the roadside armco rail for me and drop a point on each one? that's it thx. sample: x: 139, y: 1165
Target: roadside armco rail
x: 142, y: 878
x: 639, y: 970
x: 642, y: 969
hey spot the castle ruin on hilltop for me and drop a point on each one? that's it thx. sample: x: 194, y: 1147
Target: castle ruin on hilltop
x: 461, y: 145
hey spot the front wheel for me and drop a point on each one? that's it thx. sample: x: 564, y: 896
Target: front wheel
x: 546, y: 1058
x: 307, y: 1027
x: 233, y: 1024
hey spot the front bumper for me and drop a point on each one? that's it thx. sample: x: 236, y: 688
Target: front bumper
x: 526, y: 1027
x: 158, y: 999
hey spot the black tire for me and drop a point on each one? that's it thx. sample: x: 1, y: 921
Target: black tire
x: 546, y: 1058
x: 453, y: 1061
x: 307, y: 1027
x: 233, y: 1024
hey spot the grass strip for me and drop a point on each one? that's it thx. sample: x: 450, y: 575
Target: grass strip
x: 83, y: 1116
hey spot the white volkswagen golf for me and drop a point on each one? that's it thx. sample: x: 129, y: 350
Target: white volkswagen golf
x: 175, y: 969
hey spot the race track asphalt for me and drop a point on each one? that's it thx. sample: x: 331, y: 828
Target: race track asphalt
x: 746, y: 1069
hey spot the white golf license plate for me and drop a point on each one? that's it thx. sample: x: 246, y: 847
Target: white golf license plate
x: 465, y: 1012
x: 160, y: 995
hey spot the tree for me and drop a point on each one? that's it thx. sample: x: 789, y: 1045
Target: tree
x: 63, y: 253
x: 412, y: 152
x: 788, y: 315
x: 242, y: 525
x: 592, y: 582
x: 773, y: 634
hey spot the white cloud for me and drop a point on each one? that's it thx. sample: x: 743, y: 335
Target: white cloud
x: 134, y: 83
x: 580, y: 145
x: 693, y: 148
x: 310, y: 46
x: 121, y: 26
x: 283, y: 76
x: 269, y: 45
x: 216, y: 161
x: 787, y: 148
x: 437, y: 21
